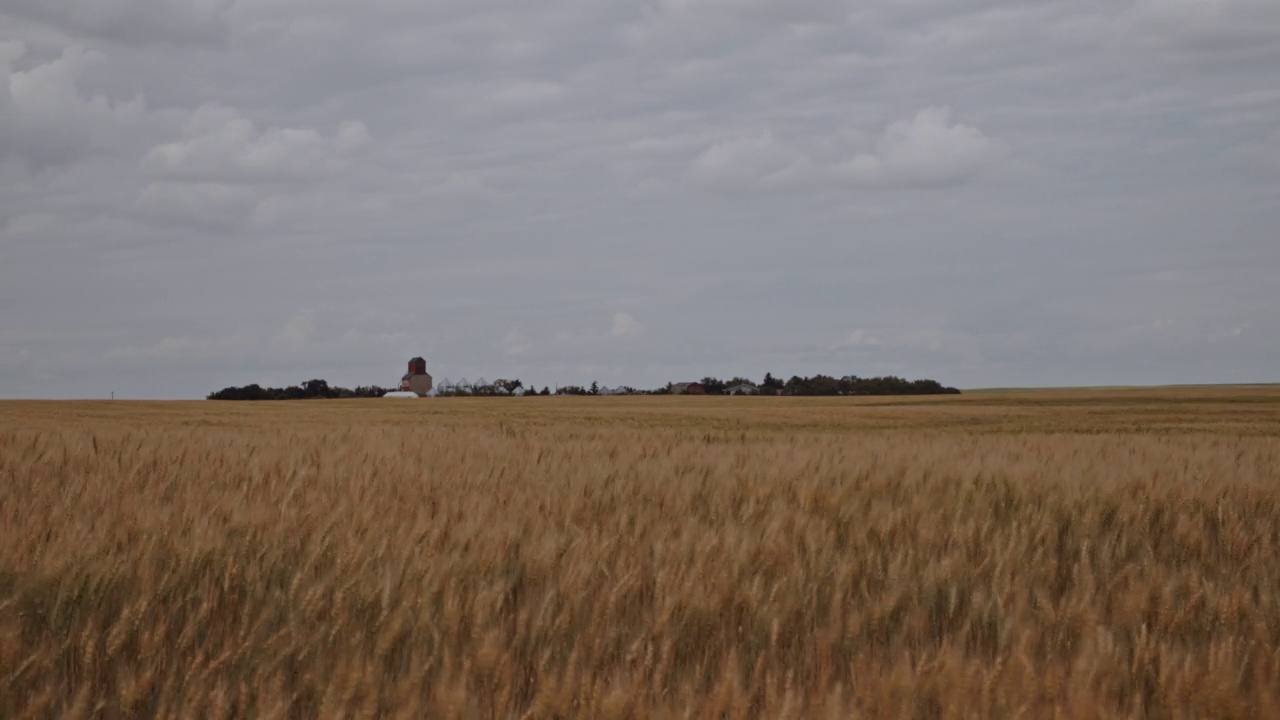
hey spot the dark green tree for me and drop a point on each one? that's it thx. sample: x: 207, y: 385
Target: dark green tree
x: 316, y: 388
x: 508, y: 385
x: 714, y: 386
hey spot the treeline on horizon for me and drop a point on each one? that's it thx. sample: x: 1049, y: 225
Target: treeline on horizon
x: 817, y: 385
x: 309, y: 390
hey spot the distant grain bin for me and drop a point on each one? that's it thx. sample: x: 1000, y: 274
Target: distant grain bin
x: 417, y: 380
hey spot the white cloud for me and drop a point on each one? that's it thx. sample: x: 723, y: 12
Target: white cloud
x: 858, y: 339
x: 624, y: 325
x: 747, y: 158
x: 220, y: 144
x: 929, y: 149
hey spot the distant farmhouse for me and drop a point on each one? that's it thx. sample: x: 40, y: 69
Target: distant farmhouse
x: 417, y: 380
x: 688, y: 388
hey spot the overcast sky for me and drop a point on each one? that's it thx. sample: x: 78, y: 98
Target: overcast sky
x: 202, y: 193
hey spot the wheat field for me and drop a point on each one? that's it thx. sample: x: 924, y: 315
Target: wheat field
x: 1071, y: 554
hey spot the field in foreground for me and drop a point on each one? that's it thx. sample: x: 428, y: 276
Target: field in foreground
x: 1066, y: 554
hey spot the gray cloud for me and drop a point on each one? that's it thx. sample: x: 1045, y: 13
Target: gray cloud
x: 989, y: 193
x: 1200, y: 30
x: 45, y: 117
x: 132, y: 21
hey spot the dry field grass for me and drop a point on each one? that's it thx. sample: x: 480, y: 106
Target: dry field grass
x: 1090, y: 554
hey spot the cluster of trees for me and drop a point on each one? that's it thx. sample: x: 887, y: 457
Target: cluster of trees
x: 827, y: 385
x: 797, y: 385
x: 596, y: 389
x: 854, y: 385
x: 311, y: 389
x: 480, y: 388
x: 716, y: 386
x: 501, y: 387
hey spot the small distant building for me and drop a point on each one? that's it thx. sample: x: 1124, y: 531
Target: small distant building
x: 417, y: 380
x: 688, y: 388
x: 743, y: 389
